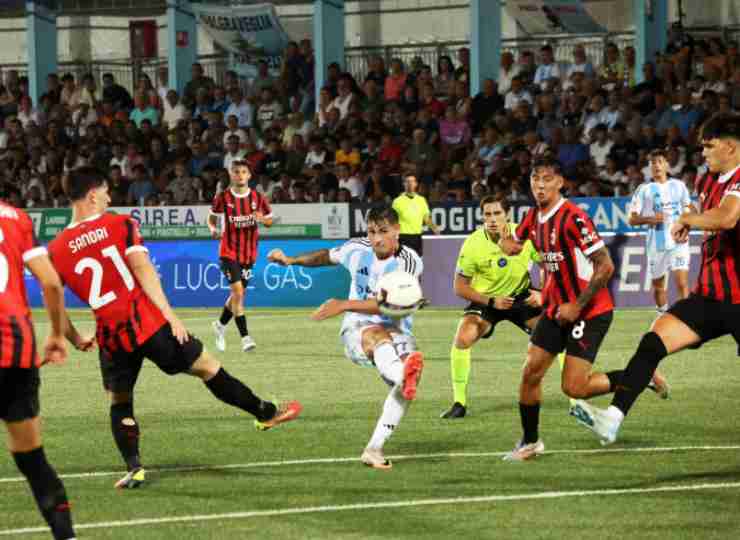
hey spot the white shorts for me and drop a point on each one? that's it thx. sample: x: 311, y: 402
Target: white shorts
x: 661, y: 262
x: 352, y: 340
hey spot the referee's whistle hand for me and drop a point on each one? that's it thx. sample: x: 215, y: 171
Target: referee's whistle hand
x: 503, y: 302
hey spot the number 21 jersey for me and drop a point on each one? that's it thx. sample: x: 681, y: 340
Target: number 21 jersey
x: 90, y: 257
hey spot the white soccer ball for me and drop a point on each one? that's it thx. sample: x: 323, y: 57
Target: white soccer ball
x: 399, y: 294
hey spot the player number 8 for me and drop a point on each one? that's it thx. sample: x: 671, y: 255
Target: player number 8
x: 578, y: 330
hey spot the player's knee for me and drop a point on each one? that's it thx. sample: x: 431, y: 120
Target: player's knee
x: 532, y: 374
x: 574, y: 388
x: 205, y: 367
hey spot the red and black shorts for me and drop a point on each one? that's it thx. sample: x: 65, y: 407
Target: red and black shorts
x: 581, y: 339
x: 708, y: 317
x: 120, y: 369
x: 518, y: 314
x: 236, y: 271
x: 19, y: 394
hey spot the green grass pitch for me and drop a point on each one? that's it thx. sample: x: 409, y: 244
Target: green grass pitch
x: 675, y: 473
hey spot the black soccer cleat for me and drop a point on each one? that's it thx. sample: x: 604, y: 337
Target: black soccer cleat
x: 457, y: 410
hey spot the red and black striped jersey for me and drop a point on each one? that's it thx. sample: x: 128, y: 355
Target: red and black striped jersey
x: 17, y: 246
x: 239, y: 230
x: 91, y: 258
x: 565, y: 238
x: 719, y: 275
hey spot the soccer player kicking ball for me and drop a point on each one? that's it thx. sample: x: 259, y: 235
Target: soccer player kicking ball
x: 498, y: 289
x: 713, y: 308
x: 577, y: 305
x: 102, y: 259
x: 242, y: 210
x: 370, y: 338
x: 19, y: 362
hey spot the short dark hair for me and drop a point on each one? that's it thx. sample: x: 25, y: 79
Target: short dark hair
x: 548, y: 163
x: 239, y: 163
x: 721, y: 126
x: 497, y: 198
x: 81, y: 181
x: 657, y: 153
x: 379, y: 214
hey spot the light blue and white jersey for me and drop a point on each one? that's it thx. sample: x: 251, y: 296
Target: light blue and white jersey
x: 365, y: 268
x: 672, y: 199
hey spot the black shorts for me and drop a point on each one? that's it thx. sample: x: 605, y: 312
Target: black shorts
x: 709, y: 318
x: 235, y: 271
x: 19, y: 394
x: 519, y: 313
x: 120, y: 369
x: 413, y: 241
x: 581, y: 339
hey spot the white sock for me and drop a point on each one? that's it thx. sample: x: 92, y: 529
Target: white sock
x: 393, y: 410
x: 388, y: 363
x: 615, y: 414
x: 662, y: 309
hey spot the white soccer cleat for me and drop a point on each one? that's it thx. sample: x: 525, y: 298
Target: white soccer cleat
x: 248, y: 344
x: 220, y: 332
x: 604, y: 424
x: 374, y: 457
x: 582, y: 412
x: 523, y: 452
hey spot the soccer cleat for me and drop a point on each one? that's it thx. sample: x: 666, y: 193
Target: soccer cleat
x: 601, y: 423
x: 284, y: 413
x: 220, y: 332
x: 248, y: 344
x: 132, y: 480
x: 412, y: 369
x: 582, y: 412
x: 457, y: 410
x: 523, y: 452
x: 660, y: 386
x: 374, y: 457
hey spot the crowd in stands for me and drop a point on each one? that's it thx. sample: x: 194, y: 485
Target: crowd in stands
x: 160, y: 147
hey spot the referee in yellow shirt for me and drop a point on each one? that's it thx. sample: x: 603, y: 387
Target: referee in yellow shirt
x: 413, y: 214
x: 498, y: 289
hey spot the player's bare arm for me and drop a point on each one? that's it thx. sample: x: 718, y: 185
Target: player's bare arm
x: 636, y: 219
x: 721, y: 218
x: 78, y: 341
x: 262, y: 220
x: 603, y: 271
x: 432, y: 226
x: 463, y: 289
x: 312, y: 258
x: 333, y: 307
x: 55, y: 347
x: 147, y: 276
x: 213, y: 226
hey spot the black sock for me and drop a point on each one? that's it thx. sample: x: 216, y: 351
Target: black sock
x: 226, y: 316
x: 530, y: 415
x: 615, y: 379
x: 48, y: 491
x: 241, y: 324
x: 639, y: 371
x: 235, y: 393
x: 125, y: 430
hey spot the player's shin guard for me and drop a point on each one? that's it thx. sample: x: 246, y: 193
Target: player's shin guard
x: 388, y: 363
x: 639, y: 371
x: 48, y: 491
x: 235, y: 393
x: 126, y: 433
x: 393, y: 410
x: 460, y: 368
x: 226, y: 316
x: 241, y: 324
x: 530, y: 416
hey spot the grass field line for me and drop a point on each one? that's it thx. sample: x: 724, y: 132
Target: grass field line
x: 385, y: 504
x: 402, y: 457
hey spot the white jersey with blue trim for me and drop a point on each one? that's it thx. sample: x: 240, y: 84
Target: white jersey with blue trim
x: 671, y: 198
x: 358, y: 257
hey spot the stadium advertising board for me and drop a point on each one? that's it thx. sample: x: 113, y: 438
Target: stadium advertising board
x: 630, y: 285
x: 191, y: 276
x: 191, y: 222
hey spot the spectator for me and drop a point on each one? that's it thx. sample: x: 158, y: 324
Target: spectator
x: 517, y: 93
x: 376, y: 72
x: 351, y: 183
x: 395, y: 82
x: 233, y: 152
x: 183, y: 188
x: 116, y: 94
x: 547, y: 69
x: 270, y: 111
x: 197, y: 81
x: 507, y: 72
x: 580, y: 65
x: 445, y: 75
x: 601, y: 145
x: 421, y: 157
x: 572, y: 153
x: 345, y: 96
x: 347, y: 154
x: 241, y: 108
x: 485, y: 104
x: 140, y: 188
x: 261, y: 81
x: 143, y: 110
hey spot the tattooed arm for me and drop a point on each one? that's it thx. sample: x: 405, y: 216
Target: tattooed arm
x: 603, y: 271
